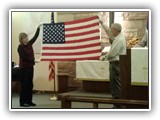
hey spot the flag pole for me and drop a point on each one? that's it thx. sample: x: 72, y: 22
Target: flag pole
x: 55, y: 68
x: 54, y: 82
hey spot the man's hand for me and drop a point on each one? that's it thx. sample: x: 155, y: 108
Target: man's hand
x: 102, y: 58
x: 102, y: 17
x: 103, y: 53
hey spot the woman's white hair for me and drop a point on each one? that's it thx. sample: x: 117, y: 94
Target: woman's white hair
x: 117, y: 26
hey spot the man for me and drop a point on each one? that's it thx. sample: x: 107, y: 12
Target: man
x: 144, y: 41
x: 118, y: 47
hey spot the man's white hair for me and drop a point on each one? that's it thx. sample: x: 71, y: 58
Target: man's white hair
x: 117, y: 26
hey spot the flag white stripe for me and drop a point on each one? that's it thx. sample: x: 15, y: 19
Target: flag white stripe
x: 72, y: 44
x: 71, y: 51
x: 71, y: 56
x: 82, y: 30
x: 81, y: 37
x: 82, y: 24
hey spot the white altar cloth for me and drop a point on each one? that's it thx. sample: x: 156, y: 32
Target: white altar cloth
x: 93, y: 70
x: 139, y: 66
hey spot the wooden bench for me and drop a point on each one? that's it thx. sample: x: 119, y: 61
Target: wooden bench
x: 66, y: 101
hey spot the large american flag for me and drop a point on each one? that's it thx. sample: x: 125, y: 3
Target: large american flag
x: 74, y: 40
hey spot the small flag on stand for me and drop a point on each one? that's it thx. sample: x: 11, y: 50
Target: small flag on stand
x: 52, y: 71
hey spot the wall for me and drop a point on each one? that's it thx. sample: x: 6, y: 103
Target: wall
x: 133, y: 23
x: 16, y: 29
x: 41, y: 81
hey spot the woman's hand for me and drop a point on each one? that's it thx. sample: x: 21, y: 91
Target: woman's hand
x: 40, y: 25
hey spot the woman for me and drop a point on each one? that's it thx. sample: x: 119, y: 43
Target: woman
x: 26, y: 63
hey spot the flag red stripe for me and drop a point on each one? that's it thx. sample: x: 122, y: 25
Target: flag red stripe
x: 82, y: 27
x: 52, y: 72
x: 76, y: 53
x: 82, y: 33
x: 83, y: 40
x: 51, y: 75
x: 68, y: 59
x: 72, y: 47
x: 51, y: 65
x: 81, y: 20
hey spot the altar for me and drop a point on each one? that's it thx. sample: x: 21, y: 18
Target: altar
x: 94, y: 75
x: 92, y: 70
x: 139, y: 66
x: 133, y: 74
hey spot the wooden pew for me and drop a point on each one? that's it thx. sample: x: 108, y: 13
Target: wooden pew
x: 66, y: 101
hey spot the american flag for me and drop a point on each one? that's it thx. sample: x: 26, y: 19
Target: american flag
x: 74, y: 40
